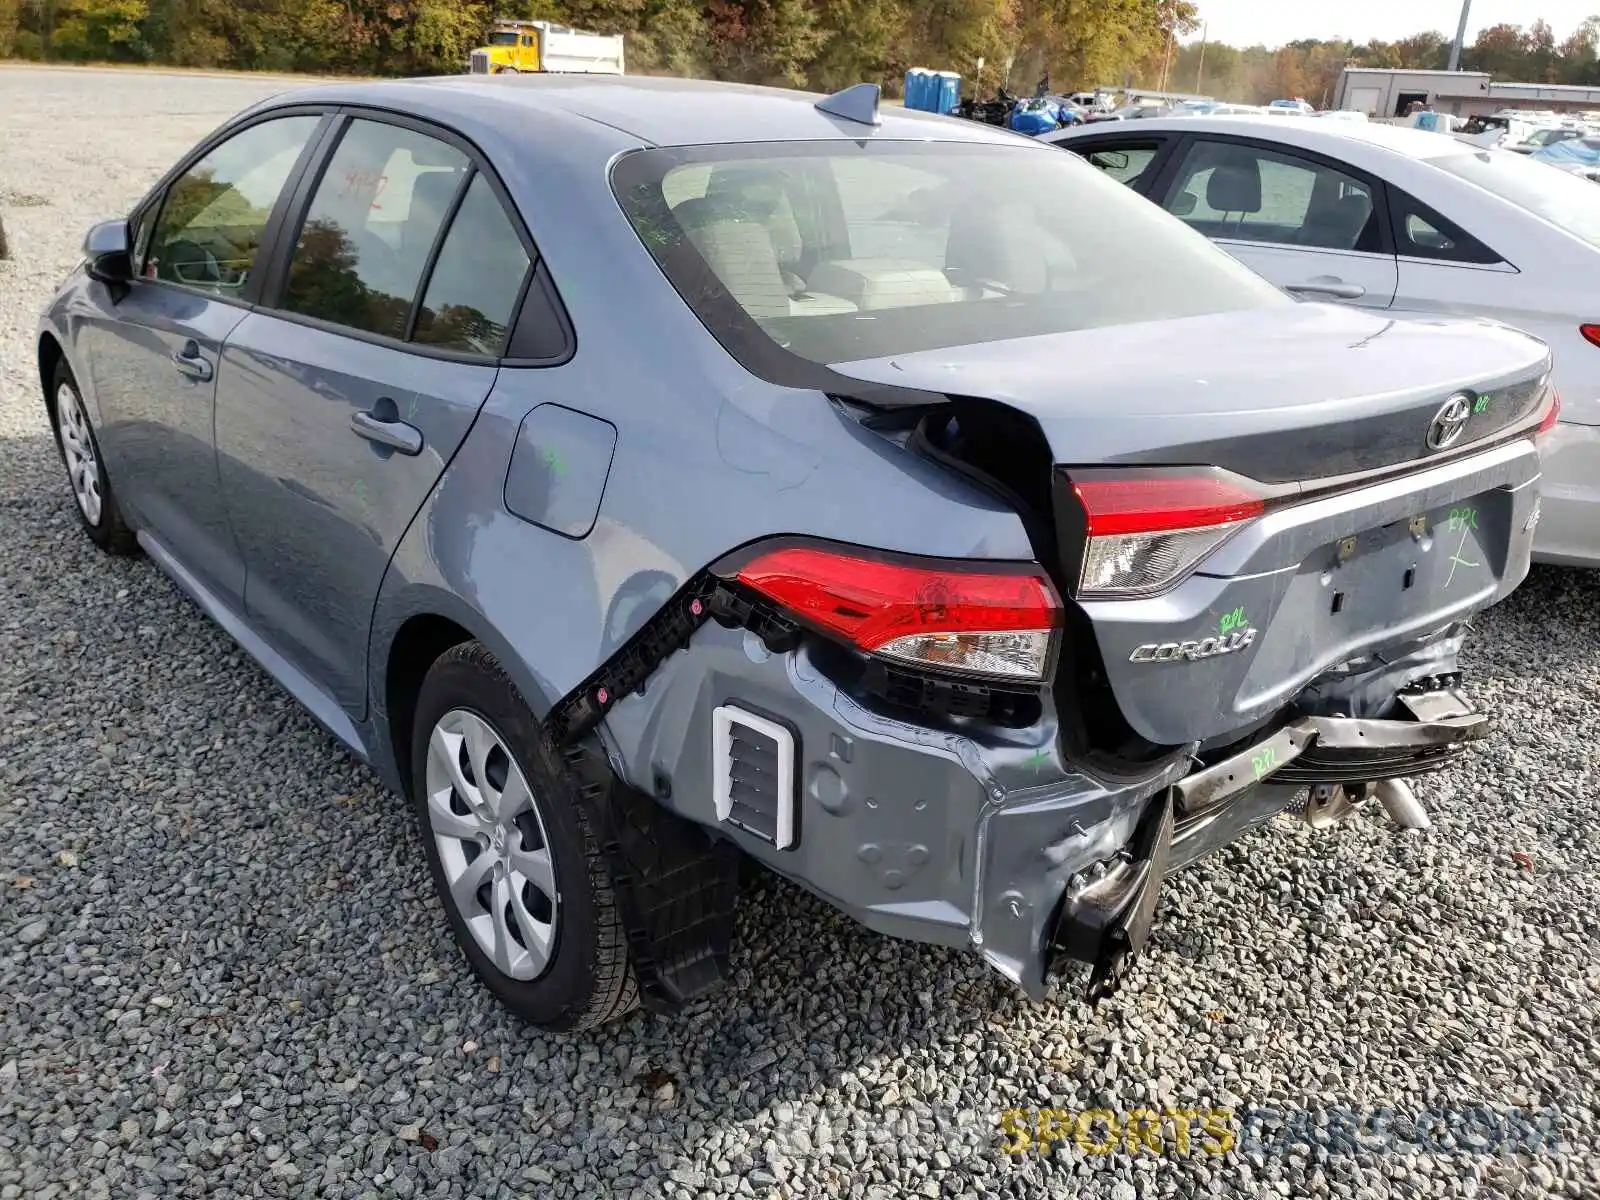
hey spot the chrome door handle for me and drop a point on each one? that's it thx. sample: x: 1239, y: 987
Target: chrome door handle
x: 191, y: 362
x: 1328, y: 287
x: 393, y: 433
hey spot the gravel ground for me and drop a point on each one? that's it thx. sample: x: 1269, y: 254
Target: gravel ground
x: 222, y: 971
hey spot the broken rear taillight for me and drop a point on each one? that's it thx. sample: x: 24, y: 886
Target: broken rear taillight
x: 1146, y: 531
x: 974, y: 618
x: 1552, y: 414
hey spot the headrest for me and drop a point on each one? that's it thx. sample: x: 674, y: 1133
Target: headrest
x: 1234, y: 188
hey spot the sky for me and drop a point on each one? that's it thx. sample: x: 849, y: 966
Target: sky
x: 1274, y: 22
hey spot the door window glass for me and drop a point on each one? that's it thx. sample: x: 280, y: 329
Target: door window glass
x: 1230, y: 190
x: 1423, y: 233
x: 214, y: 215
x: 1125, y: 164
x: 476, y: 280
x: 371, y: 225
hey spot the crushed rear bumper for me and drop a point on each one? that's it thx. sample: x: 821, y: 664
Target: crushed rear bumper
x: 1106, y: 913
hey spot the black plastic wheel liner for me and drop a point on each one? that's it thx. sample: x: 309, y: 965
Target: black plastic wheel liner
x: 677, y: 886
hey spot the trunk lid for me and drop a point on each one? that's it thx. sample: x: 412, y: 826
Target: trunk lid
x: 1279, y: 395
x: 1335, y: 569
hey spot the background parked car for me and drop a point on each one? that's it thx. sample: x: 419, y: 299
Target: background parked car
x: 1386, y: 217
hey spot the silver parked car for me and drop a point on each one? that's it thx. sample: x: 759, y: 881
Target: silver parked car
x: 648, y: 475
x: 1404, y: 221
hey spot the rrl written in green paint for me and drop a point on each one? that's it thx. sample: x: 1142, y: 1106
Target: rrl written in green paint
x: 1465, y: 517
x: 1482, y: 405
x: 1231, y: 621
x: 1264, y: 762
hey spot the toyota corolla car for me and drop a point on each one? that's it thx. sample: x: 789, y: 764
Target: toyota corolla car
x: 1402, y: 220
x: 645, y: 476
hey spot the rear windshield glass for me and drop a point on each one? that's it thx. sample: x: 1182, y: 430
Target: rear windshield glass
x: 1568, y: 201
x: 839, y: 251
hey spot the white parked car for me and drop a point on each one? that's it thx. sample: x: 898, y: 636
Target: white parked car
x: 1387, y: 217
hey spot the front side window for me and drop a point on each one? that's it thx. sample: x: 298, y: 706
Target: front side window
x: 834, y: 251
x: 371, y: 226
x: 503, y: 38
x: 1231, y: 190
x: 1124, y: 163
x: 212, y: 220
x: 473, y: 290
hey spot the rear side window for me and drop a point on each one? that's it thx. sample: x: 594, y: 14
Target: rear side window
x: 476, y: 280
x: 371, y: 227
x: 1247, y: 193
x: 834, y: 251
x: 1420, y: 232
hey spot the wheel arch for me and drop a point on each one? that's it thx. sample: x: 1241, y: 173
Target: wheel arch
x: 51, y: 355
x: 406, y: 646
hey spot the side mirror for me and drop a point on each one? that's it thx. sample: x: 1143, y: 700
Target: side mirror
x: 1183, y: 204
x: 109, y: 250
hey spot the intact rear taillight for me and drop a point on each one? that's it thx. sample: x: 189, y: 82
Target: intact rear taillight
x: 1145, y: 533
x: 957, y: 617
x: 1591, y: 334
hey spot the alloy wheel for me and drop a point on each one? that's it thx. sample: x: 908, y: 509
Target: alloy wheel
x: 78, y: 447
x: 485, y: 821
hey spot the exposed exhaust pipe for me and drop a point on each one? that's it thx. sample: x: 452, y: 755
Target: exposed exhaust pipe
x: 1401, y: 803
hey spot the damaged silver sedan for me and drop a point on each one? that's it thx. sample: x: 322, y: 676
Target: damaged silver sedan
x: 646, y: 476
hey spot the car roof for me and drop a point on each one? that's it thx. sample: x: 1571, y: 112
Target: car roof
x: 658, y: 111
x: 1307, y: 132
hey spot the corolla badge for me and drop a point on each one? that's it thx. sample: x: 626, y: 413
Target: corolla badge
x: 1209, y: 647
x: 1450, y: 422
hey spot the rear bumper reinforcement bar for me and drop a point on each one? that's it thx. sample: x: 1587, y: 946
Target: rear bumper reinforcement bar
x: 1342, y: 749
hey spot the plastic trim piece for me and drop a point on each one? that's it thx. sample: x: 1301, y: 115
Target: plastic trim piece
x: 723, y: 720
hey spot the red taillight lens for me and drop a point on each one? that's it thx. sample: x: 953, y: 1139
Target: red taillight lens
x: 1145, y: 533
x: 1591, y: 334
x: 958, y: 618
x: 1553, y: 413
x: 1159, y: 505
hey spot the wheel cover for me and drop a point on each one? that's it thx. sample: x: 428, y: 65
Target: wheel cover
x: 491, y: 839
x: 78, y: 447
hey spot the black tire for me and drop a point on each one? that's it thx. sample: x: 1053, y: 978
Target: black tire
x: 588, y: 980
x: 110, y: 532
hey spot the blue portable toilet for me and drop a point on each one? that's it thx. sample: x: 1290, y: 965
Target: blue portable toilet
x: 917, y: 88
x: 946, y: 91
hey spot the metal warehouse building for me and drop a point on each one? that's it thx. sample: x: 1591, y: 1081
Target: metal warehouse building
x: 1381, y: 92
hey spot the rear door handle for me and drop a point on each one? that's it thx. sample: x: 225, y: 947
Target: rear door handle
x: 387, y: 431
x: 1335, y: 288
x: 191, y: 362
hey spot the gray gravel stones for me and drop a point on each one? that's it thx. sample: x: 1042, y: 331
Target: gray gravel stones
x: 244, y: 987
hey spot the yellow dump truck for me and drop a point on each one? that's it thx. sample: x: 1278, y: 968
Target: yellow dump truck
x: 523, y: 47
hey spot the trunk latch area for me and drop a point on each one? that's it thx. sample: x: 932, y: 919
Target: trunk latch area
x: 1107, y: 912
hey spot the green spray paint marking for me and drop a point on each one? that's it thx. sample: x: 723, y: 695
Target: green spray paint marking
x: 361, y: 489
x: 411, y: 410
x: 1231, y: 621
x: 1038, y: 759
x: 554, y: 462
x: 1264, y: 763
x: 1465, y: 519
x: 1482, y: 405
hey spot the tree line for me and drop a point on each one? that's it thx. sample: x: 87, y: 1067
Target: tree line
x: 822, y: 44
x: 1310, y: 69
